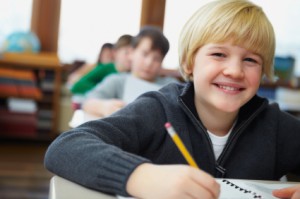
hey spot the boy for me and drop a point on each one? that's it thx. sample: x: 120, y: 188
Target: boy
x: 101, y: 70
x: 225, y: 49
x: 149, y: 48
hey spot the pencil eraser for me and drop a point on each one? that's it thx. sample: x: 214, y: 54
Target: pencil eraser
x: 168, y: 125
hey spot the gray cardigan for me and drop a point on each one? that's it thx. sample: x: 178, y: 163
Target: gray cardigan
x: 113, y: 86
x: 101, y: 154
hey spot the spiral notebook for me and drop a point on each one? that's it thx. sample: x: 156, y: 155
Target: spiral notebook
x: 246, y: 189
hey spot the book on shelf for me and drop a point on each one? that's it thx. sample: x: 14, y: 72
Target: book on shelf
x: 17, y: 124
x: 44, y: 124
x: 45, y: 114
x: 21, y: 105
x: 47, y: 85
x: 47, y: 80
x: 7, y: 89
x: 18, y: 83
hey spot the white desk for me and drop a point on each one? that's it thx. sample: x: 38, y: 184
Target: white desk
x: 79, y: 117
x: 61, y: 188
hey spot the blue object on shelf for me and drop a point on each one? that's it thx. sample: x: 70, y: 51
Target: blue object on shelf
x: 21, y: 42
x: 284, y: 67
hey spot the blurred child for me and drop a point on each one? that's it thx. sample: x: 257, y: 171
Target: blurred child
x: 149, y: 48
x: 226, y: 47
x: 105, y: 56
x: 121, y: 64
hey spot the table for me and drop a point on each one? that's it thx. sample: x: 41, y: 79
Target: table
x: 61, y: 188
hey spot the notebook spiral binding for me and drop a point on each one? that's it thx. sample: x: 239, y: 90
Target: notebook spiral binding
x: 246, y: 191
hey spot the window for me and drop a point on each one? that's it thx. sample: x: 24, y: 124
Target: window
x: 15, y: 15
x: 176, y: 14
x: 86, y: 25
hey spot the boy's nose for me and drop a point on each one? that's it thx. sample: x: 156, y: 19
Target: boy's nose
x: 234, y: 69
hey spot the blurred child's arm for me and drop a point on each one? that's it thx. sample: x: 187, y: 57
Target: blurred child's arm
x: 101, y: 107
x: 171, y: 181
x: 290, y: 192
x: 77, y: 74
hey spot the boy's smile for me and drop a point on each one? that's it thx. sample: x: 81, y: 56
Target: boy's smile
x: 226, y: 76
x: 229, y: 87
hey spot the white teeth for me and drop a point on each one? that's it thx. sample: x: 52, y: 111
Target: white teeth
x: 228, y: 88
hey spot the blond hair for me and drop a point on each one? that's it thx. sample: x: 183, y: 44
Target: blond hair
x: 239, y: 21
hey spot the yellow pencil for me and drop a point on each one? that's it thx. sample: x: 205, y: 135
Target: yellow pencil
x: 180, y: 145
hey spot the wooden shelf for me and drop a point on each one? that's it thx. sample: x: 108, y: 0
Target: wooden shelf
x: 47, y: 69
x: 32, y: 60
x: 293, y: 83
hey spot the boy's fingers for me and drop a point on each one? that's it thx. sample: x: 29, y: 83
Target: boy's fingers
x: 285, y: 192
x: 296, y: 195
x: 208, y: 182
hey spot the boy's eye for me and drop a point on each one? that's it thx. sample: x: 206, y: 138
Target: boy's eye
x: 218, y: 54
x: 248, y: 59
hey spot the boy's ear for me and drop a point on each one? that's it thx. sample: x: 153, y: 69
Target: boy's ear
x: 187, y: 69
x: 188, y: 72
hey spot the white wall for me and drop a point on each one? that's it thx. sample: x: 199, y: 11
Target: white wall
x: 86, y: 25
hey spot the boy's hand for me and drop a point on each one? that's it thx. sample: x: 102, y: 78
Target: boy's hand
x: 150, y: 181
x: 111, y: 106
x: 289, y: 192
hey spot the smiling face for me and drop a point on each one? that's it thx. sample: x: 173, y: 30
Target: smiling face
x: 225, y: 77
x: 242, y: 22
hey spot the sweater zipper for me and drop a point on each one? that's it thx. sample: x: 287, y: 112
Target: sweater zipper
x: 200, y: 126
x: 232, y: 139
